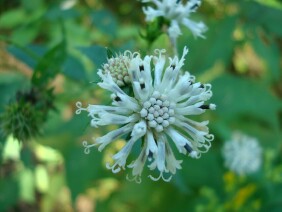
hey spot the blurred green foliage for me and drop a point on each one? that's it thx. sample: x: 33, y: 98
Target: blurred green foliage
x: 61, y: 44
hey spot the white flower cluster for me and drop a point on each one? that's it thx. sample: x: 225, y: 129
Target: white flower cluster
x: 242, y: 154
x: 176, y: 13
x: 156, y: 115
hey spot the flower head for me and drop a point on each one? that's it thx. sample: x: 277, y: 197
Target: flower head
x: 242, y: 154
x: 176, y: 13
x: 157, y: 114
x: 117, y: 68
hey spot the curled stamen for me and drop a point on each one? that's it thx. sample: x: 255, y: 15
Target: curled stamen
x: 159, y: 52
x: 160, y: 176
x: 87, y: 147
x: 209, y: 137
x: 136, y: 178
x: 80, y: 108
x: 167, y: 179
x: 155, y: 179
x: 114, y: 170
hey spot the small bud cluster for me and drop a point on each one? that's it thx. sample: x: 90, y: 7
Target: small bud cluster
x: 117, y: 67
x: 158, y: 112
x: 23, y: 117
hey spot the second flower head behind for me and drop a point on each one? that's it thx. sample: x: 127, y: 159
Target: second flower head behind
x: 156, y: 115
x: 176, y: 13
x: 242, y: 154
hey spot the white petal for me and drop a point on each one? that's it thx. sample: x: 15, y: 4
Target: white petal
x: 172, y: 163
x: 127, y: 102
x: 159, y: 66
x: 151, y: 143
x: 179, y: 140
x: 96, y: 109
x: 105, y: 118
x: 197, y: 28
x: 108, y: 83
x: 112, y: 136
x: 139, y: 129
x: 191, y: 109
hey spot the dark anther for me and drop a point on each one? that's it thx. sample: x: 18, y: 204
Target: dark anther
x: 141, y: 67
x: 188, y: 148
x: 117, y: 98
x: 205, y: 107
x: 150, y: 155
x: 201, y: 86
x: 172, y: 66
x: 195, y: 6
x: 142, y: 85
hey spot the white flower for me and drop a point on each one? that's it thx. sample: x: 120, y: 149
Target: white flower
x: 155, y: 116
x: 176, y: 13
x: 242, y: 154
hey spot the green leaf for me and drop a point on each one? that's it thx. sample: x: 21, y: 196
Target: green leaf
x: 217, y: 46
x: 29, y: 54
x: 81, y: 169
x: 105, y: 21
x: 192, y: 170
x: 9, y: 193
x: 74, y: 69
x: 32, y: 5
x: 25, y: 34
x: 252, y: 11
x: 270, y: 53
x: 236, y: 96
x: 56, y: 12
x: 98, y: 55
x: 12, y: 18
x: 10, y: 83
x: 110, y: 53
x: 49, y: 65
x: 27, y: 157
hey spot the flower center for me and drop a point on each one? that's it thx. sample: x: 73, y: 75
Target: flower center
x: 158, y: 112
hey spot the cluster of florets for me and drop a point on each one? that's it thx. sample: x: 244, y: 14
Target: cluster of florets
x: 154, y: 114
x: 117, y: 67
x: 176, y: 13
x: 242, y: 154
